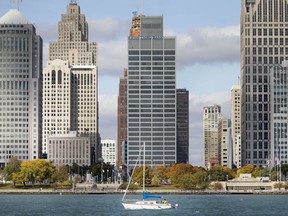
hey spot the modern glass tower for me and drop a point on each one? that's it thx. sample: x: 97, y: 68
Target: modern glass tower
x: 264, y: 43
x: 151, y: 93
x: 20, y: 88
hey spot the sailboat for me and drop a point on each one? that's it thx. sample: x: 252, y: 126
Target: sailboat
x: 148, y: 201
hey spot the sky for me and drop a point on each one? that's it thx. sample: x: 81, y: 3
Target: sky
x: 207, y: 48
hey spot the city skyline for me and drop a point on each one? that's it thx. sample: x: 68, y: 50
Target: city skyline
x: 211, y: 46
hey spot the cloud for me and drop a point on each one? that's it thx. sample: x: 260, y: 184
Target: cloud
x: 108, y: 116
x: 197, y: 46
x: 208, y: 45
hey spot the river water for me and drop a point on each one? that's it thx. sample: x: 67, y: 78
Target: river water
x: 104, y: 205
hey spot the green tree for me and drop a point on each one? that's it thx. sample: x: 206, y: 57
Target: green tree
x: 194, y: 181
x: 279, y: 185
x: 13, y: 166
x: 261, y: 172
x: 218, y: 174
x: 61, y: 173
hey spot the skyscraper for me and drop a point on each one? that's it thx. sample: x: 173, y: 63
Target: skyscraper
x: 122, y: 116
x: 151, y: 94
x: 279, y: 114
x: 211, y: 117
x: 264, y: 43
x: 20, y: 88
x: 71, y: 85
x: 182, y: 125
x: 236, y: 124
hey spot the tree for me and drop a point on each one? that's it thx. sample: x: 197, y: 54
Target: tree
x: 279, y: 185
x: 34, y: 171
x: 138, y: 175
x: 13, y: 166
x: 245, y: 169
x: 177, y: 171
x: 61, y: 173
x: 194, y: 181
x: 261, y: 172
x: 218, y: 174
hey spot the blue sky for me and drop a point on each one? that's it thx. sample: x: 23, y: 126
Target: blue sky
x: 208, y: 49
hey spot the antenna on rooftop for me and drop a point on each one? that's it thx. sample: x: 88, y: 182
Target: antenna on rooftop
x: 142, y: 7
x: 135, y: 13
x: 14, y: 1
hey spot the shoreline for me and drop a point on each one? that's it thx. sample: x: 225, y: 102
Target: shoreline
x: 111, y: 192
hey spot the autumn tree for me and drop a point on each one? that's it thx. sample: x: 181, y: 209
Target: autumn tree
x: 13, y: 166
x: 138, y: 175
x: 34, y: 171
x: 247, y: 169
x: 177, y: 171
x: 196, y: 181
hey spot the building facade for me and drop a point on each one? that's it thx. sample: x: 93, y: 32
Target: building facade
x: 236, y: 124
x: 20, y: 89
x: 69, y: 148
x: 71, y: 83
x: 211, y: 118
x: 109, y: 151
x: 264, y: 43
x: 151, y: 94
x: 279, y: 114
x: 122, y: 117
x: 182, y: 125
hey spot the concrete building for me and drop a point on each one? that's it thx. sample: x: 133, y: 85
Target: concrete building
x: 151, y: 94
x: 225, y: 143
x: 279, y: 114
x: 20, y: 89
x: 122, y: 117
x: 236, y: 124
x: 182, y: 125
x: 109, y: 151
x: 211, y: 118
x: 69, y: 148
x: 264, y: 43
x: 71, y: 83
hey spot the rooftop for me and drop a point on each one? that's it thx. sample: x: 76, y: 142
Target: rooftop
x: 13, y: 16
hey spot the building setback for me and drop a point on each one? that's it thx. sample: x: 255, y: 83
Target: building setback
x: 211, y: 117
x: 71, y: 84
x: 20, y: 89
x: 182, y: 125
x: 151, y: 94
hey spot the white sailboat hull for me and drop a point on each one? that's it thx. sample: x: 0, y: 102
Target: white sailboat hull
x: 145, y: 204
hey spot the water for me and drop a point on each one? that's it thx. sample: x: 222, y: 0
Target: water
x: 102, y: 205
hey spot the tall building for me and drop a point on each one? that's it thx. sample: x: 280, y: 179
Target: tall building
x: 70, y: 89
x: 182, y: 125
x: 151, y: 94
x: 20, y: 88
x: 225, y: 143
x: 264, y: 43
x: 211, y: 118
x: 122, y: 117
x: 279, y: 114
x: 236, y: 124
